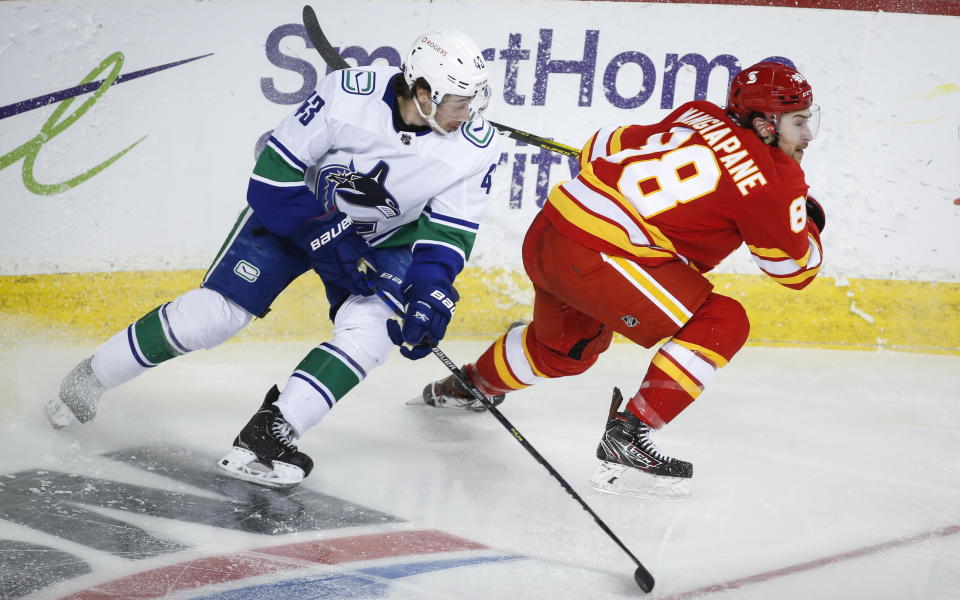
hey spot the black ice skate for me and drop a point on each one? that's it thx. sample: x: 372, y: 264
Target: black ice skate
x: 450, y: 393
x: 633, y: 464
x: 77, y: 401
x: 264, y: 452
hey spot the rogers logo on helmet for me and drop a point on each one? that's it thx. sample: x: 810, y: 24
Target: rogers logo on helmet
x: 433, y: 45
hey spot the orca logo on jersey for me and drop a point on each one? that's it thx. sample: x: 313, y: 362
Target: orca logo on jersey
x: 363, y: 196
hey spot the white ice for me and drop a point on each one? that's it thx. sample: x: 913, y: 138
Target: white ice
x: 818, y: 474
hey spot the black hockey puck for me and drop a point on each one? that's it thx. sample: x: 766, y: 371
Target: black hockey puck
x: 644, y: 579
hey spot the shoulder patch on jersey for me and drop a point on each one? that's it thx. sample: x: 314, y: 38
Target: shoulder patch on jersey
x: 358, y: 81
x: 478, y: 132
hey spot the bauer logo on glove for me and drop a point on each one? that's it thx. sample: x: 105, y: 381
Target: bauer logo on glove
x: 328, y: 235
x: 437, y: 294
x: 429, y: 307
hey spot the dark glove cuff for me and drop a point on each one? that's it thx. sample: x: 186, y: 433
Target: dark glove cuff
x: 815, y: 213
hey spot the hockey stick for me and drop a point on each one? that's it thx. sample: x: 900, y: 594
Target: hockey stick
x: 641, y: 575
x: 535, y: 140
x: 330, y: 56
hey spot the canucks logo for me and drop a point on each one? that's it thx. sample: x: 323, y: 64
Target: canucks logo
x: 363, y: 196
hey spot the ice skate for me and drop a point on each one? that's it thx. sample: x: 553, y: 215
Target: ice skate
x: 264, y: 452
x: 450, y: 393
x: 632, y: 464
x: 79, y: 393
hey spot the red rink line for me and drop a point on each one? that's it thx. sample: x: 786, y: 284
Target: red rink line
x: 814, y: 564
x: 211, y: 570
x: 921, y: 7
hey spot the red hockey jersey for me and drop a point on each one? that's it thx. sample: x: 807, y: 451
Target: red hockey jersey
x: 691, y: 187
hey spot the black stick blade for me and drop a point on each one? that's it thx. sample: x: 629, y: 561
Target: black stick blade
x: 643, y: 578
x: 320, y: 42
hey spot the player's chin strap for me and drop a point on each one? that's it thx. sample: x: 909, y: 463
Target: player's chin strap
x: 431, y: 118
x: 641, y: 575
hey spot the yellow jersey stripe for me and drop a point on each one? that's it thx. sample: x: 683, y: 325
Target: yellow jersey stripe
x: 613, y: 195
x: 810, y: 274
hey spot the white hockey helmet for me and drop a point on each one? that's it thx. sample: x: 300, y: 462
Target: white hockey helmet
x: 452, y: 64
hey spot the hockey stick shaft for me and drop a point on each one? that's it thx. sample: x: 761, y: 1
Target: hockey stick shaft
x: 641, y: 575
x: 336, y: 62
x: 536, y: 140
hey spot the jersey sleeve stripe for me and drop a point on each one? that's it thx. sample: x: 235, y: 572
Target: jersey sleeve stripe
x: 600, y: 204
x: 278, y: 184
x: 586, y: 153
x: 772, y: 253
x: 459, y: 251
x: 451, y: 221
x: 599, y: 148
x: 616, y: 143
x: 596, y: 218
x: 627, y: 237
x: 288, y: 156
x: 405, y: 231
x: 273, y: 166
x: 783, y: 264
x: 591, y: 181
x: 798, y: 281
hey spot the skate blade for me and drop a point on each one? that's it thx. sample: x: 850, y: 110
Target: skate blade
x: 462, y: 407
x: 416, y: 401
x: 58, y: 414
x: 242, y: 464
x: 615, y: 478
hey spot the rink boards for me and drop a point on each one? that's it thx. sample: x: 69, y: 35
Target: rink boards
x: 830, y: 313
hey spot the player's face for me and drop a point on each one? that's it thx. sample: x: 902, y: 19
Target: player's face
x: 453, y: 111
x: 796, y: 130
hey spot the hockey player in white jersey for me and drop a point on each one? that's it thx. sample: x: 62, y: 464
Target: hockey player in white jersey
x: 378, y: 166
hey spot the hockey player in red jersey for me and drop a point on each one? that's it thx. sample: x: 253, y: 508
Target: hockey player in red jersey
x: 624, y: 246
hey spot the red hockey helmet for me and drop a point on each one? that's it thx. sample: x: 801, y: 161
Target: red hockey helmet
x: 768, y: 87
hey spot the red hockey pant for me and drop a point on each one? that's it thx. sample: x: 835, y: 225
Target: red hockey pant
x: 582, y: 296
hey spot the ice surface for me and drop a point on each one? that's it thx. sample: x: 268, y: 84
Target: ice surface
x: 818, y: 474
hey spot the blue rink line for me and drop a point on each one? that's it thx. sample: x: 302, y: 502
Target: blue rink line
x: 352, y: 585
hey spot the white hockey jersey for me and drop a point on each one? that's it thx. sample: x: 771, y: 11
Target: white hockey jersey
x: 346, y: 147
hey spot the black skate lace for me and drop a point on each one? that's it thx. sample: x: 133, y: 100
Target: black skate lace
x: 647, y: 445
x: 282, y: 432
